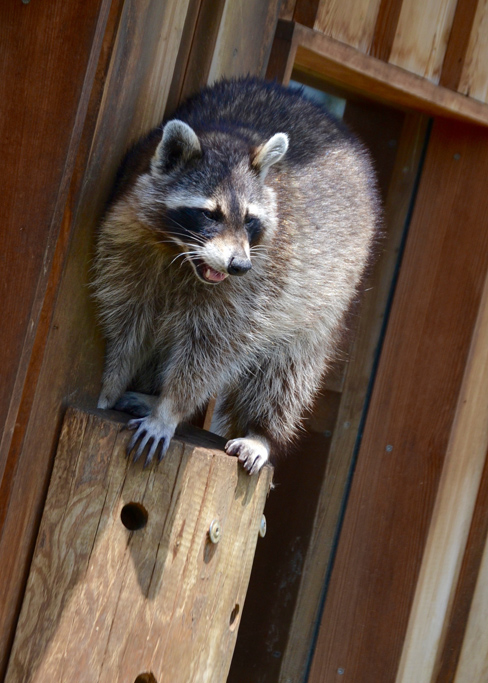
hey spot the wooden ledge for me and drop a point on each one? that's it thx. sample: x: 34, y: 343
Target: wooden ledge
x: 340, y: 64
x: 126, y: 581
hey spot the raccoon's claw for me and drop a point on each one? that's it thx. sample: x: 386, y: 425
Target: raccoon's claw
x: 252, y: 453
x: 148, y: 431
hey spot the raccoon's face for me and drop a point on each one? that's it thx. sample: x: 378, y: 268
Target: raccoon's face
x: 216, y: 206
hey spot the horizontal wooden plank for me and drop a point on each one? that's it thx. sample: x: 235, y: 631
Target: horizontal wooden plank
x: 345, y: 66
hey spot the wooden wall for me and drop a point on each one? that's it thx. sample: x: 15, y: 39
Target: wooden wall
x: 79, y: 83
x: 444, y: 41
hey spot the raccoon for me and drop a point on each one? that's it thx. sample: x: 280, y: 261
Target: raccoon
x: 234, y: 243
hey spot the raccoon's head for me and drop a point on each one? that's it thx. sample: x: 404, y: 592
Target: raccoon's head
x: 217, y: 208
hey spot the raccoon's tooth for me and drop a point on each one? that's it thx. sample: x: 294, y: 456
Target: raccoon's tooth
x: 213, y: 275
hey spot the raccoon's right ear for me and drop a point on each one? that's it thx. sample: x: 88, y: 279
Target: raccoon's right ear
x: 178, y: 145
x: 270, y: 153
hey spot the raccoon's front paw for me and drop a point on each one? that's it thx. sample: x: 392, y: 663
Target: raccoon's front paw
x: 252, y: 452
x: 149, y: 431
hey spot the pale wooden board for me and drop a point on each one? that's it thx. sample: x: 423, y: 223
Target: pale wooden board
x: 474, y: 77
x: 245, y: 37
x: 422, y: 35
x: 473, y: 662
x: 107, y: 604
x: 350, y: 21
x: 451, y: 520
x: 358, y: 370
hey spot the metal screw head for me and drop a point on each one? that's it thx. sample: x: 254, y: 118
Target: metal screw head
x: 263, y: 527
x: 214, y: 531
x: 340, y: 671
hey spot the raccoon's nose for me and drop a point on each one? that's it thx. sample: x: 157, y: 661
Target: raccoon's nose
x: 239, y: 266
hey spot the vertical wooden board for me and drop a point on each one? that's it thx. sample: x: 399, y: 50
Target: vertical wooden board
x: 385, y: 29
x: 71, y: 363
x: 349, y: 21
x: 474, y: 77
x: 451, y: 518
x: 473, y: 663
x: 459, y: 37
x: 245, y: 37
x: 45, y: 88
x: 161, y: 599
x: 422, y: 36
x: 410, y: 415
x: 465, y: 589
x: 358, y: 372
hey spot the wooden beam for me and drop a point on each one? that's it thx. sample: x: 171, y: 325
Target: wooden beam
x: 457, y: 45
x: 385, y: 29
x: 411, y: 413
x: 345, y: 66
x: 126, y: 563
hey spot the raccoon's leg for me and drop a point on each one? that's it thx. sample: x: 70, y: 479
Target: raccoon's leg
x: 123, y: 358
x: 267, y: 404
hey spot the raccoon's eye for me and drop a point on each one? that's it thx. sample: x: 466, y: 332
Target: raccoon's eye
x: 210, y: 215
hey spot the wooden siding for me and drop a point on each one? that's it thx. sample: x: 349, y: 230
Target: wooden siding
x: 429, y: 38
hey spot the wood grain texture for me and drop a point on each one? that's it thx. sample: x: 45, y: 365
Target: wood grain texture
x: 401, y: 180
x: 451, y: 519
x: 127, y: 100
x: 422, y: 35
x: 349, y: 21
x: 162, y: 599
x: 283, y: 51
x: 411, y: 414
x: 474, y: 77
x: 306, y: 12
x: 45, y: 89
x: 463, y: 598
x: 244, y: 39
x: 457, y: 46
x: 349, y: 68
x: 385, y: 29
x: 473, y: 662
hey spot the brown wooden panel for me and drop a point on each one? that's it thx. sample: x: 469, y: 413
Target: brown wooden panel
x: 132, y: 83
x: 411, y: 414
x: 306, y: 12
x: 457, y: 46
x: 385, y: 29
x: 45, y: 87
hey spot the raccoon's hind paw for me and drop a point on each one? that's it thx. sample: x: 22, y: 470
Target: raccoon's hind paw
x: 149, y: 432
x: 139, y: 405
x: 252, y: 452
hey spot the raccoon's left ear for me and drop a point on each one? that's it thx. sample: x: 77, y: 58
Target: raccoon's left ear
x: 270, y: 153
x: 178, y: 145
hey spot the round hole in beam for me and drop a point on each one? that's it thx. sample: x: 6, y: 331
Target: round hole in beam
x: 134, y: 516
x: 233, y: 617
x: 146, y: 678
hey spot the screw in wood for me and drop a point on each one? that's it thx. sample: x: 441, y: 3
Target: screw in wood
x: 214, y: 531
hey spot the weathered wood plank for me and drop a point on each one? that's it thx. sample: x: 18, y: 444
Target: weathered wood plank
x: 422, y: 36
x: 411, y: 413
x: 451, y: 518
x: 457, y: 46
x: 245, y: 37
x: 385, y: 29
x: 163, y: 598
x: 349, y: 21
x: 474, y: 78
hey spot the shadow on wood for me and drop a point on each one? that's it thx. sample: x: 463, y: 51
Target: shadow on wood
x: 126, y: 581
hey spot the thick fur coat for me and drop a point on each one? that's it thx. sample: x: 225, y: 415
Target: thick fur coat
x: 233, y: 246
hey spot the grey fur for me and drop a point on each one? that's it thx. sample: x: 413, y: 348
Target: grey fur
x: 260, y: 160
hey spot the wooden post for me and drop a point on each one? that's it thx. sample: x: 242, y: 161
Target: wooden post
x: 126, y: 583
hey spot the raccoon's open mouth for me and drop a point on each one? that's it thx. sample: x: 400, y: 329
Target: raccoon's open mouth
x: 207, y: 273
